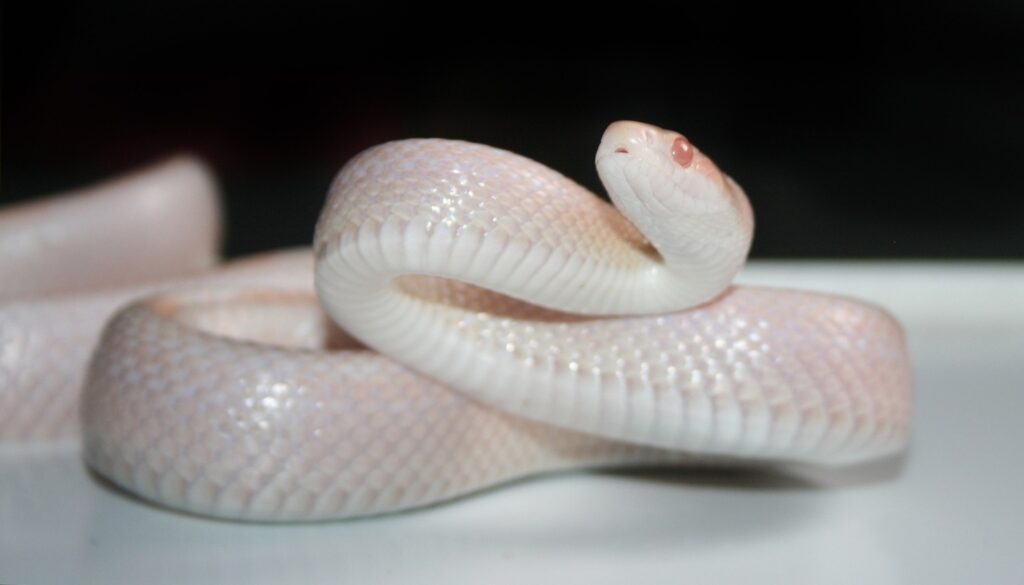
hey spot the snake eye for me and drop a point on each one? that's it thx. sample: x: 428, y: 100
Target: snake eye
x: 682, y: 151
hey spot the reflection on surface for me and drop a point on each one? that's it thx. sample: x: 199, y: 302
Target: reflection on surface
x: 59, y: 526
x: 601, y: 514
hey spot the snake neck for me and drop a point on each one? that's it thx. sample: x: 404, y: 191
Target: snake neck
x: 487, y: 217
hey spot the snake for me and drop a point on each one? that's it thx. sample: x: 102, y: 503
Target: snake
x: 69, y: 262
x: 466, y: 317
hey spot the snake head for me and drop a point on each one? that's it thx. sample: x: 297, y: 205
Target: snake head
x: 659, y: 151
x: 674, y: 194
x: 664, y: 170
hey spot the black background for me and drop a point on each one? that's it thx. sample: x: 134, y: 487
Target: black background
x: 882, y: 131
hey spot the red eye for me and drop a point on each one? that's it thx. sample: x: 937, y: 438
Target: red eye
x: 682, y: 151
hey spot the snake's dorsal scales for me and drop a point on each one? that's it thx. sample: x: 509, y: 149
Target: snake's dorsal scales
x: 497, y: 320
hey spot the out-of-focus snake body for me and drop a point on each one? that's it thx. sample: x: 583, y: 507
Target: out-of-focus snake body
x: 513, y: 323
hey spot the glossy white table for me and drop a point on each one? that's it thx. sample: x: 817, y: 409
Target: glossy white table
x: 951, y: 512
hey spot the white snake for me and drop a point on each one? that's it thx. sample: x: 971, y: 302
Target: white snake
x: 517, y: 324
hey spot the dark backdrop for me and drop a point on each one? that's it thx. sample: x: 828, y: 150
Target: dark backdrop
x: 883, y: 131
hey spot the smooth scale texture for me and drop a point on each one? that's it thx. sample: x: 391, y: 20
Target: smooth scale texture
x: 180, y: 410
x: 53, y: 310
x: 68, y: 262
x: 513, y: 324
x: 754, y: 373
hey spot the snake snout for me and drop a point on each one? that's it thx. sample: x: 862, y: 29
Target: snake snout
x: 627, y: 138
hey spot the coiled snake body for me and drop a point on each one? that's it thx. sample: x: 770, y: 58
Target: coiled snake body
x: 496, y: 320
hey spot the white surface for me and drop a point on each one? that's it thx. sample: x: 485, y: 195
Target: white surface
x: 951, y: 512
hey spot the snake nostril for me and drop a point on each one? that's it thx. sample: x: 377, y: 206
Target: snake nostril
x: 622, y: 150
